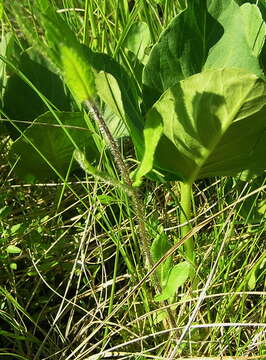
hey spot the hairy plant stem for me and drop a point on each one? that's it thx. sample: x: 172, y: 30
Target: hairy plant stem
x: 138, y: 206
x: 186, y: 197
x: 94, y: 112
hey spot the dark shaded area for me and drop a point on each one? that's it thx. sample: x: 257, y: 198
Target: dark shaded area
x: 21, y: 101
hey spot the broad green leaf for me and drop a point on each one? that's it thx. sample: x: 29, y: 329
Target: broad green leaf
x: 138, y: 39
x: 159, y: 247
x: 21, y: 102
x: 177, y: 277
x: 57, y: 33
x: 240, y: 43
x: 53, y: 144
x: 208, y: 34
x: 12, y: 249
x: 137, y: 45
x: 7, y: 49
x: 7, y: 44
x: 216, y: 122
x: 181, y: 50
x: 152, y: 134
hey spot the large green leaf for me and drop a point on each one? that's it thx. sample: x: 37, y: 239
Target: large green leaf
x: 54, y: 148
x: 21, y: 102
x: 111, y: 89
x: 243, y: 38
x: 181, y: 50
x: 216, y: 121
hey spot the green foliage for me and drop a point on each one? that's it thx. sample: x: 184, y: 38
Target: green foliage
x: 137, y: 40
x: 254, y: 26
x: 244, y: 35
x: 19, y: 93
x: 80, y: 256
x: 152, y: 133
x: 70, y: 55
x: 159, y: 247
x: 78, y: 64
x: 126, y: 96
x: 78, y: 75
x: 208, y: 34
x: 170, y: 276
x: 216, y: 123
x: 116, y: 125
x: 181, y: 50
x: 1, y: 9
x: 12, y: 249
x: 49, y: 147
x: 109, y: 91
x: 177, y: 277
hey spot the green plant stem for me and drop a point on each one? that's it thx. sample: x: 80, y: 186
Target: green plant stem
x: 186, y: 197
x: 138, y: 206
